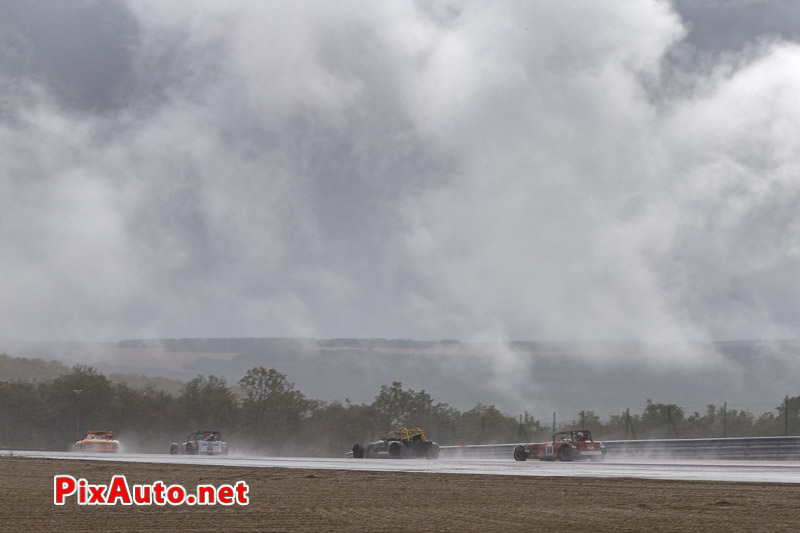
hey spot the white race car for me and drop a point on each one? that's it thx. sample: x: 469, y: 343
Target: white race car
x: 206, y: 442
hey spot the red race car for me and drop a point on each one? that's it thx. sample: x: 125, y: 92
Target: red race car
x: 565, y: 446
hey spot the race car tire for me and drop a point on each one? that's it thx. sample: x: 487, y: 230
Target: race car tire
x: 395, y: 450
x: 191, y: 450
x: 358, y: 451
x: 520, y: 453
x: 432, y: 452
x: 566, y: 453
x: 173, y: 448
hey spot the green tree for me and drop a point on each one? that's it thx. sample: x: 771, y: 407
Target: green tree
x: 621, y: 426
x: 207, y: 403
x: 485, y: 424
x: 332, y: 429
x: 397, y: 407
x: 147, y: 419
x: 23, y: 415
x: 769, y: 425
x: 710, y: 424
x: 80, y: 401
x: 740, y: 424
x: 588, y: 420
x: 661, y: 420
x: 273, y: 409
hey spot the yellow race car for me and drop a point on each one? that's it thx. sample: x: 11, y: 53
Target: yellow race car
x: 399, y: 444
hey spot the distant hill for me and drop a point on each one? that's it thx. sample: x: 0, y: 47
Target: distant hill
x: 172, y: 387
x: 23, y: 369
x: 538, y: 377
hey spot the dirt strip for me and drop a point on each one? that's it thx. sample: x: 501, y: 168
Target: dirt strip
x: 329, y: 500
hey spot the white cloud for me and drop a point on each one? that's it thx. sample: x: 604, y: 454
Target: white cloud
x: 491, y: 171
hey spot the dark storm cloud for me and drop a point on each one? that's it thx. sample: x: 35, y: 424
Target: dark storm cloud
x: 731, y: 25
x: 80, y: 51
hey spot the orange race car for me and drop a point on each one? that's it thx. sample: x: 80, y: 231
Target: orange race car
x: 97, y: 441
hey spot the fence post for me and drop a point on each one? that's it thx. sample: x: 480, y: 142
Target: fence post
x: 786, y: 416
x: 627, y: 421
x: 78, y: 414
x: 522, y: 433
x: 724, y: 420
x: 670, y: 422
x: 669, y: 419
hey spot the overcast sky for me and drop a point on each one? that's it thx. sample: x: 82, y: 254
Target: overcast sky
x: 529, y: 170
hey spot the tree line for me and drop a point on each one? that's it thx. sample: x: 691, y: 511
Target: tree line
x: 670, y: 421
x: 265, y: 414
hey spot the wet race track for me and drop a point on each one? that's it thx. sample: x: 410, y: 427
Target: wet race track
x: 701, y: 470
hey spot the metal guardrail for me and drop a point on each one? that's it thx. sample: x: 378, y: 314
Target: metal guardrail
x: 489, y: 451
x: 775, y: 448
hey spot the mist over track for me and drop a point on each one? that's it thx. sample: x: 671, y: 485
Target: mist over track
x: 689, y: 470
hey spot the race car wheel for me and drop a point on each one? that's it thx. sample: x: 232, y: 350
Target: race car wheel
x: 395, y: 450
x: 358, y: 451
x: 520, y: 454
x: 566, y: 453
x: 432, y: 452
x: 173, y: 448
x: 191, y: 450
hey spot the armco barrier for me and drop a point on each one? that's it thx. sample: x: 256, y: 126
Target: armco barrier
x: 754, y: 448
x: 777, y: 448
x: 488, y: 451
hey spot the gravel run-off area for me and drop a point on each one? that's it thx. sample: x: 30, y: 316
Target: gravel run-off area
x: 283, y: 499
